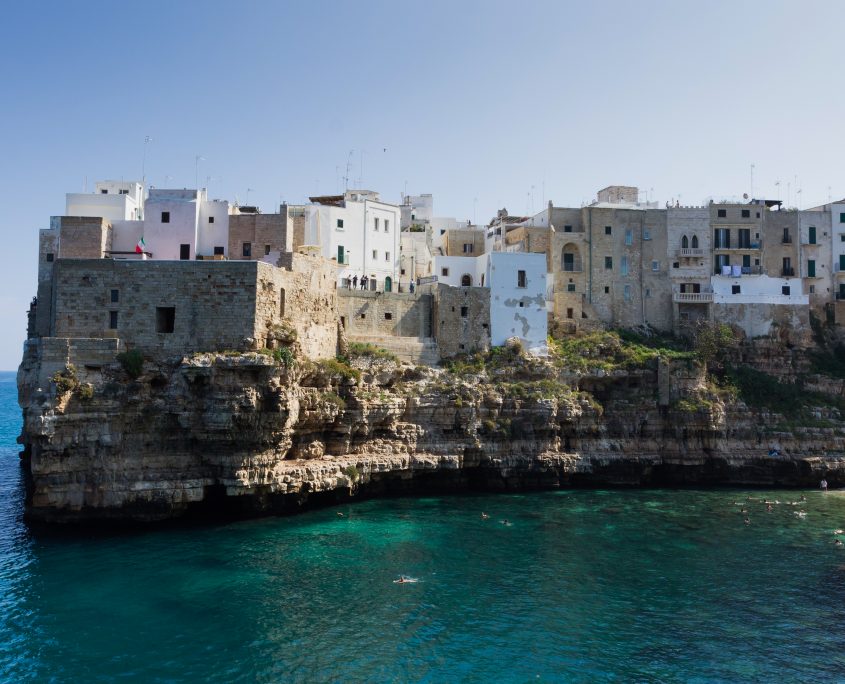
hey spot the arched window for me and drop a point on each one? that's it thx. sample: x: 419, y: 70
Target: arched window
x: 466, y: 280
x: 684, y: 242
x: 695, y: 241
x: 388, y: 284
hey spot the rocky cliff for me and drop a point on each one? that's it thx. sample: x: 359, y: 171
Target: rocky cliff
x: 251, y: 433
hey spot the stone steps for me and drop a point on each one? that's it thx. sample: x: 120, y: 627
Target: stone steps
x: 420, y: 350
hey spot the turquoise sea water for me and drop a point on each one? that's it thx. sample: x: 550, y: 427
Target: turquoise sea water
x: 650, y: 586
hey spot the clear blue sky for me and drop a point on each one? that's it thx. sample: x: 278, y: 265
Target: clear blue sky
x: 466, y: 100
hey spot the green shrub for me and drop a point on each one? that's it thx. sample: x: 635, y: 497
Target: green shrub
x: 339, y: 368
x: 86, y: 391
x: 352, y: 473
x: 65, y: 380
x: 371, y: 350
x: 132, y: 362
x: 334, y: 398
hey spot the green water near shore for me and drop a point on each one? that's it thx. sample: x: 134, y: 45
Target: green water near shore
x: 633, y: 585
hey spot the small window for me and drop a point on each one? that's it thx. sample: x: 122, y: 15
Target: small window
x: 735, y: 289
x: 386, y: 225
x: 165, y: 319
x: 606, y: 289
x: 104, y: 191
x: 363, y: 316
x: 375, y: 254
x: 218, y: 251
x: 627, y: 293
x: 387, y: 256
x: 758, y: 214
x: 282, y: 303
x: 112, y: 320
x: 842, y: 218
x: 608, y: 230
x: 115, y: 296
x: 647, y: 293
x: 624, y: 266
x: 567, y: 229
x: 165, y: 217
x: 746, y: 213
x: 676, y: 264
x: 247, y: 249
x: 608, y: 262
x: 812, y: 289
x: 570, y: 313
x: 521, y: 279
x: 785, y: 290
x: 444, y: 272
x: 468, y: 247
x: 443, y: 231
x: 184, y: 252
x: 388, y: 316
x: 266, y: 250
x: 722, y: 213
x: 49, y: 257
x: 376, y: 222
x: 401, y: 271
x: 629, y: 237
x: 570, y: 287
x: 211, y: 219
x: 842, y: 238
x: 655, y: 265
x: 464, y: 311
x: 646, y: 234
x: 340, y: 223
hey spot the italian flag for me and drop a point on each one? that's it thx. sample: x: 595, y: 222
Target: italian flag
x: 141, y: 247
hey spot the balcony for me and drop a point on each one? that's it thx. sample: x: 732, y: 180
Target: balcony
x: 690, y: 252
x: 743, y: 271
x: 840, y: 296
x: 574, y: 267
x: 742, y: 247
x: 787, y: 240
x: 787, y: 272
x: 692, y: 297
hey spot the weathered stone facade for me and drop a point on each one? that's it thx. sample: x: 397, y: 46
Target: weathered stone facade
x: 264, y: 234
x: 368, y: 314
x: 461, y: 319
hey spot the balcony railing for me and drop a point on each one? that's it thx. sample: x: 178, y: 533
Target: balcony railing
x: 787, y: 240
x: 743, y: 270
x: 741, y: 246
x: 787, y: 272
x: 692, y: 297
x: 574, y: 267
x: 690, y: 252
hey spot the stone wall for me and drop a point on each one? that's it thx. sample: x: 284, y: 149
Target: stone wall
x: 265, y: 233
x: 457, y: 238
x: 461, y: 319
x: 82, y: 237
x: 364, y: 313
x: 759, y: 320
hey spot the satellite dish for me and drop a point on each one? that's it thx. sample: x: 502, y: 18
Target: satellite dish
x: 744, y: 195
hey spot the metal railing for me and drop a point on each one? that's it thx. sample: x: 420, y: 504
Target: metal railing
x: 786, y: 272
x: 787, y: 240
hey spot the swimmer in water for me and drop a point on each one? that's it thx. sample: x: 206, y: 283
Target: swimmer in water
x: 837, y: 542
x: 747, y: 521
x: 339, y: 514
x: 769, y: 508
x: 405, y: 580
x: 484, y: 516
x: 505, y: 522
x: 838, y: 531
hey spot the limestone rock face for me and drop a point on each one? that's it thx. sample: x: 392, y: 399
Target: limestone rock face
x: 242, y: 434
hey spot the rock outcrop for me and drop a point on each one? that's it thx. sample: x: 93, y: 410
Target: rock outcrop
x: 243, y: 434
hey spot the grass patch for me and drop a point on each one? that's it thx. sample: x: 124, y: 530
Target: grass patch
x: 334, y: 398
x: 352, y: 473
x: 613, y: 350
x: 132, y: 362
x: 282, y: 356
x: 339, y: 368
x: 371, y: 351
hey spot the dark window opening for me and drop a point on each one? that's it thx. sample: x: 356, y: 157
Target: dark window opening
x: 165, y: 217
x: 735, y: 289
x: 282, y: 303
x: 115, y: 296
x: 49, y: 256
x: 464, y: 311
x: 165, y: 319
x: 266, y: 250
x: 340, y: 223
x: 567, y: 229
x: 521, y: 279
x: 608, y: 262
x: 388, y: 316
x: 113, y: 320
x: 363, y: 316
x: 211, y: 219
x: 746, y: 213
x: 218, y: 251
x: 247, y: 249
x: 785, y: 290
x: 570, y: 313
x: 606, y: 289
x: 343, y: 322
x: 184, y: 252
x: 722, y: 213
x: 608, y: 230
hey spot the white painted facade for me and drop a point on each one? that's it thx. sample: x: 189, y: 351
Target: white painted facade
x: 758, y: 289
x: 460, y: 271
x: 362, y: 235
x: 417, y: 209
x: 213, y: 227
x: 111, y: 200
x: 414, y: 256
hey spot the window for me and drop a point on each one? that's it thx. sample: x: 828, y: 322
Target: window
x: 115, y: 296
x: 211, y: 219
x: 684, y: 242
x: 124, y: 192
x: 646, y: 234
x: 247, y: 249
x: 812, y: 289
x: 165, y: 319
x: 785, y: 290
x: 363, y: 316
x: 608, y: 262
x: 386, y: 225
x: 388, y: 316
x: 629, y: 237
x: 466, y: 280
x: 812, y: 237
x: 401, y: 271
x: 184, y: 252
x: 468, y: 248
x: 375, y: 254
x: 570, y: 287
x: 567, y: 229
x: 464, y: 311
x: 811, y: 268
x: 627, y: 293
x: 218, y: 251
x: 521, y: 279
x: 49, y: 257
x: 165, y: 217
x: 387, y: 256
x: 606, y: 289
x: 112, y: 320
x: 842, y: 238
x: 341, y: 254
x: 722, y: 238
x: 744, y: 238
x: 104, y: 191
x: 444, y: 272
x: 676, y: 264
x: 266, y: 250
x: 735, y: 289
x: 647, y: 293
x: 340, y: 223
x: 655, y: 265
x: 443, y: 232
x: 695, y: 241
x: 842, y: 218
x: 722, y: 213
x: 376, y: 222
x: 624, y: 266
x: 608, y: 230
x: 570, y: 313
x: 758, y: 214
x: 746, y: 213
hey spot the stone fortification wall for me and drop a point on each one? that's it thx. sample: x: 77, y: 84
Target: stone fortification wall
x: 171, y: 307
x: 757, y: 320
x: 385, y: 313
x: 461, y: 319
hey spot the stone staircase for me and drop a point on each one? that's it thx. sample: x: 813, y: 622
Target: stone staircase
x: 419, y: 350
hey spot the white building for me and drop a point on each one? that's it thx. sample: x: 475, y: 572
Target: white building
x: 517, y: 284
x: 360, y: 232
x: 111, y: 200
x: 416, y: 210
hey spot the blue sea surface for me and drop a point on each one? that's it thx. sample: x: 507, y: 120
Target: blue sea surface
x: 582, y: 586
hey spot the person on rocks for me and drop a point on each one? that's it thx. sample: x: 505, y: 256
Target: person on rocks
x: 823, y: 485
